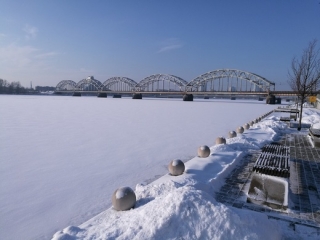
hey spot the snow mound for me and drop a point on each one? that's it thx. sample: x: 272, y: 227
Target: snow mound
x: 188, y: 214
x: 184, y: 207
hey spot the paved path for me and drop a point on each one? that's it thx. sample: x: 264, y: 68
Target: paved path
x: 304, y: 183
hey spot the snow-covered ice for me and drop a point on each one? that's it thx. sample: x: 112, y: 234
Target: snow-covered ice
x: 63, y: 157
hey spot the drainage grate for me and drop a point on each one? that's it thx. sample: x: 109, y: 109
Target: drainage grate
x: 288, y: 110
x: 274, y: 161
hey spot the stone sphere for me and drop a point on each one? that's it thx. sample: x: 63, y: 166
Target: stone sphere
x: 256, y: 120
x: 176, y: 167
x: 123, y: 199
x: 203, y: 151
x: 246, y: 126
x: 251, y: 123
x: 232, y: 134
x: 240, y: 130
x: 221, y: 140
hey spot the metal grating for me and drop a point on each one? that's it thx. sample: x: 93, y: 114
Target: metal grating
x: 274, y: 161
x: 288, y: 110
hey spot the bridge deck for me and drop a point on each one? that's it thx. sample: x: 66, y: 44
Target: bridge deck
x: 205, y: 93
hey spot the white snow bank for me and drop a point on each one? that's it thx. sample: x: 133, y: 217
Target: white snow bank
x: 184, y: 207
x: 179, y: 212
x: 310, y: 116
x: 62, y: 157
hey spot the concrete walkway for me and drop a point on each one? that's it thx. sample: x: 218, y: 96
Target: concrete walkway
x: 304, y: 183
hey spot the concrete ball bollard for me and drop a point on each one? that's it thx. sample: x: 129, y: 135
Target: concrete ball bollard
x: 232, y: 134
x: 246, y: 126
x: 251, y: 123
x: 221, y: 140
x: 256, y: 120
x: 240, y: 130
x: 203, y: 151
x: 123, y: 199
x: 176, y: 167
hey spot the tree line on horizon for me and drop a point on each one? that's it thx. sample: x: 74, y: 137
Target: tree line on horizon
x: 7, y: 87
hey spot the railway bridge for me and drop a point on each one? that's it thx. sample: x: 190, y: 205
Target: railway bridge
x: 226, y: 82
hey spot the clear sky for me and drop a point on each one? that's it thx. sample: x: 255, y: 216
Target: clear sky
x: 46, y: 41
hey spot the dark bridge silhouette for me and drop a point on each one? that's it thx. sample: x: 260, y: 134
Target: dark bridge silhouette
x: 230, y: 82
x: 222, y: 80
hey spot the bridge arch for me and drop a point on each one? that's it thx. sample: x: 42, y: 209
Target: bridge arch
x: 211, y: 81
x: 66, y: 85
x: 89, y: 84
x: 162, y: 82
x: 119, y: 84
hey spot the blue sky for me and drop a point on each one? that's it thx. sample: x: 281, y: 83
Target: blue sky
x: 49, y: 41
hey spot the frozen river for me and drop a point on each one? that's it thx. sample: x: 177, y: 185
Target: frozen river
x: 62, y: 157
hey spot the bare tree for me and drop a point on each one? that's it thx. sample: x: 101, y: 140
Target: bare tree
x: 305, y: 76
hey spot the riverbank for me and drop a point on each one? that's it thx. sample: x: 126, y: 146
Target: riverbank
x: 188, y: 206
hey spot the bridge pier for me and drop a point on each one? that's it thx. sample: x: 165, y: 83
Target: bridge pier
x: 278, y: 100
x: 76, y: 94
x: 137, y: 96
x: 117, y: 96
x: 271, y: 99
x: 188, y: 97
x: 102, y: 95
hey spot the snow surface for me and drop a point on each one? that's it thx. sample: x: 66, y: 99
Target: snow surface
x: 63, y: 157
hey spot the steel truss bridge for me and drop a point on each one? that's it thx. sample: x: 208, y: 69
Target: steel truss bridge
x: 222, y: 81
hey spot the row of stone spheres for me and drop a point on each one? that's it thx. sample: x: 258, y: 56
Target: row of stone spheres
x: 124, y: 198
